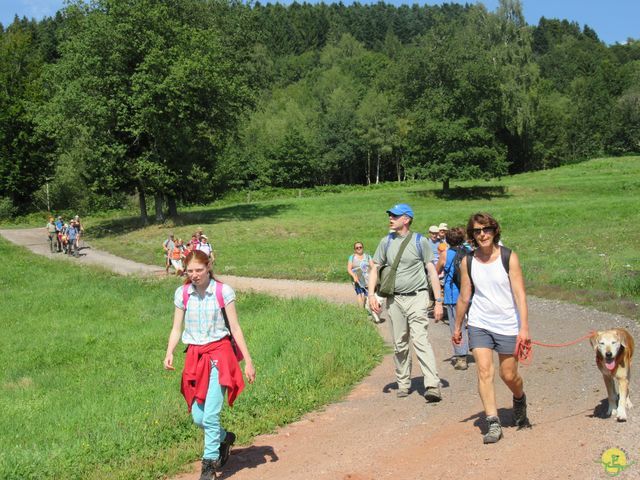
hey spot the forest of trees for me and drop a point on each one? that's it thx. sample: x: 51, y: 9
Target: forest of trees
x: 178, y: 102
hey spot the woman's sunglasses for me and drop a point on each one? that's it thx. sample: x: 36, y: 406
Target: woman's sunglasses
x: 485, y: 230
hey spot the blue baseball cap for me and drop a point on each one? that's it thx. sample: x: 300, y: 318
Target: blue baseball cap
x: 401, y: 209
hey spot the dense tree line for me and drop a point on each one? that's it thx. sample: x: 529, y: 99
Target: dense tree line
x: 181, y: 101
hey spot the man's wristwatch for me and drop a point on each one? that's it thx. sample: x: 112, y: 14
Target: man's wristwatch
x: 439, y: 299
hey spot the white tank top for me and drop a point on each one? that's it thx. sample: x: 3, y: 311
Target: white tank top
x: 493, y: 306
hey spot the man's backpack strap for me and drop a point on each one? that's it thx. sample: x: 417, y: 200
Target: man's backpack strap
x: 386, y: 245
x: 419, y: 246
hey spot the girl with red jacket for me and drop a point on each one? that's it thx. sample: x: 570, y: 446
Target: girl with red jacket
x: 212, y: 362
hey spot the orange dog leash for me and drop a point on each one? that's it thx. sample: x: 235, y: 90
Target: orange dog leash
x: 524, y: 350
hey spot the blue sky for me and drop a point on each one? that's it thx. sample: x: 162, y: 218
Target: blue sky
x: 613, y: 20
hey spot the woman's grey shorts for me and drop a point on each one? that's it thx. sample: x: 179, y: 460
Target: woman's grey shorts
x: 481, y: 338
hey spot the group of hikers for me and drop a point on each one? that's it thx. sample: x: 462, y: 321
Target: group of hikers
x: 463, y: 274
x: 464, y: 270
x: 65, y: 236
x: 176, y: 251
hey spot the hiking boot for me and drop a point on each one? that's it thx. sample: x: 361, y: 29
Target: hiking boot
x: 402, y: 393
x: 460, y: 363
x: 520, y: 412
x: 432, y: 394
x: 210, y: 469
x: 225, y: 447
x: 495, y: 430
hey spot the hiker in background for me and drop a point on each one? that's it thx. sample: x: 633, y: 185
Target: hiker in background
x: 59, y: 226
x: 168, y: 245
x: 193, y: 243
x: 443, y: 228
x: 407, y: 299
x: 71, y: 233
x: 207, y: 310
x: 358, y: 266
x: 80, y: 232
x: 497, y: 319
x: 434, y: 244
x: 446, y: 266
x: 65, y: 238
x: 205, y: 247
x: 52, y: 234
x: 176, y: 257
x: 187, y: 249
x: 434, y: 241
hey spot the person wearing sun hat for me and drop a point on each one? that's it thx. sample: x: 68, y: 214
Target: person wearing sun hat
x: 168, y: 245
x: 407, y: 305
x: 443, y: 228
x: 442, y: 231
x: 52, y: 235
x: 434, y: 241
x: 205, y: 246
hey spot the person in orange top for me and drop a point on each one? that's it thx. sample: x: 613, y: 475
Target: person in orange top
x: 207, y: 309
x: 176, y: 257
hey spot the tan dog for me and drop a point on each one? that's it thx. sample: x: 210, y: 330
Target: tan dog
x: 614, y: 349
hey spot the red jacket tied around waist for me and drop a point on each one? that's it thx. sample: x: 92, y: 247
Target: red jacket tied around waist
x: 197, y: 369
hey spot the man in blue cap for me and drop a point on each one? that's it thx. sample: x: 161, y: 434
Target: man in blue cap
x: 407, y: 304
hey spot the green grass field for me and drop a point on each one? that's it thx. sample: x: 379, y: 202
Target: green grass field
x: 576, y: 228
x: 83, y: 393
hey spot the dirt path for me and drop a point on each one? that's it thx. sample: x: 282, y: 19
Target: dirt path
x: 372, y: 435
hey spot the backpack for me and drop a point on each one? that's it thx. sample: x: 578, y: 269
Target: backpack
x: 461, y: 252
x: 220, y: 299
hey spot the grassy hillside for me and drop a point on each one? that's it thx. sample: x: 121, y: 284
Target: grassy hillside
x: 576, y: 229
x: 83, y: 393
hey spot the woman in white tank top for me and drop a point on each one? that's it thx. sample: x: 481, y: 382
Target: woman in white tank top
x: 498, y: 318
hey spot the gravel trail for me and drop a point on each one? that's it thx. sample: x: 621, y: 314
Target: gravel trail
x: 373, y: 435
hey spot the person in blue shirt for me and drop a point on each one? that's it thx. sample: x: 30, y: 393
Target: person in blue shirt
x: 455, y: 241
x: 59, y: 223
x: 72, y: 234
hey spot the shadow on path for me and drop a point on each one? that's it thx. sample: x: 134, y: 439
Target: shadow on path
x: 250, y: 457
